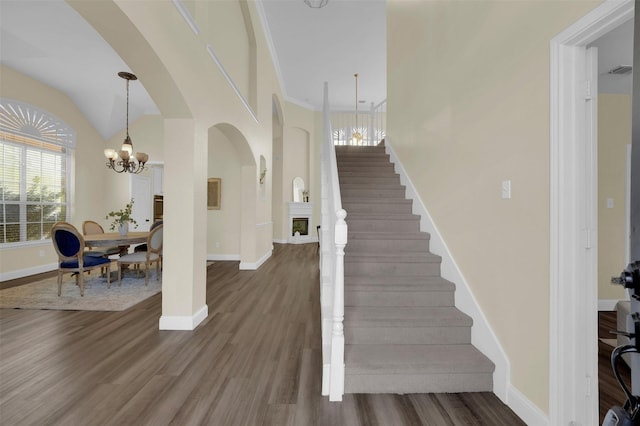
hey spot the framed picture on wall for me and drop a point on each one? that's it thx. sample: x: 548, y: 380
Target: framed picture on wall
x: 213, y: 193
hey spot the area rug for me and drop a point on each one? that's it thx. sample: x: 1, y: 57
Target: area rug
x: 97, y: 297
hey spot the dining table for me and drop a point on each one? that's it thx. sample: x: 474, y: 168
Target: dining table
x: 115, y: 239
x: 111, y: 239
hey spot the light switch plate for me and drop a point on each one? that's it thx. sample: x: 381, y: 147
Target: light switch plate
x: 506, y: 189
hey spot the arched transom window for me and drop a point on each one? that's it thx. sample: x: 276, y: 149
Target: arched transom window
x: 35, y: 155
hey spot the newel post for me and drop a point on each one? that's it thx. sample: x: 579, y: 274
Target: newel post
x: 336, y: 388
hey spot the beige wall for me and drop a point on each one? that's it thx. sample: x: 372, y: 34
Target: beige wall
x: 614, y: 133
x: 90, y: 170
x: 299, y: 156
x: 468, y: 107
x: 223, y: 226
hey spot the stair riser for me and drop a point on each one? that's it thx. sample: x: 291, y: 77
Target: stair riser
x: 381, y: 225
x: 379, y: 180
x: 398, y: 298
x: 418, y: 383
x: 374, y: 158
x: 373, y: 268
x: 377, y: 208
x: 366, y: 168
x: 386, y: 246
x: 407, y: 335
x: 350, y: 150
x: 372, y: 193
x: 385, y: 173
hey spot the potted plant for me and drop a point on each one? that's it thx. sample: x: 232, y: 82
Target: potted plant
x: 122, y: 218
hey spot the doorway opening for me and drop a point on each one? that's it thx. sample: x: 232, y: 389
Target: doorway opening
x: 573, y: 390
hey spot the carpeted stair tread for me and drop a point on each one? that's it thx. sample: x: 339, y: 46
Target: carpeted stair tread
x: 389, y: 236
x: 373, y: 201
x: 437, y: 285
x: 408, y: 257
x: 383, y: 216
x: 345, y: 149
x: 377, y: 172
x: 409, y: 316
x: 415, y: 359
x: 375, y: 280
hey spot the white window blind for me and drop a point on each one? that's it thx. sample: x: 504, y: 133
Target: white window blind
x: 35, y: 151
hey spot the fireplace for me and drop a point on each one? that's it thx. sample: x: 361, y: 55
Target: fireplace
x: 300, y: 221
x: 300, y: 225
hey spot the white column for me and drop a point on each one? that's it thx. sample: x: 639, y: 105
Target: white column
x: 185, y: 206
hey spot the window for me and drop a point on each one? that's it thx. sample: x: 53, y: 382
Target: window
x: 35, y: 155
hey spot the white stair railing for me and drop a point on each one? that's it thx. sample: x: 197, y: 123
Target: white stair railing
x: 371, y: 125
x: 333, y: 240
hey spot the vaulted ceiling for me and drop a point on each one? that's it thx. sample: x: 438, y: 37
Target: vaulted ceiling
x: 50, y: 42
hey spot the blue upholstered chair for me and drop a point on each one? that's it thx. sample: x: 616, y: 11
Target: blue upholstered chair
x: 152, y: 255
x: 69, y: 245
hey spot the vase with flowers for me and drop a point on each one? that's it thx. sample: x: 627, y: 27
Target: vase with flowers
x: 122, y: 218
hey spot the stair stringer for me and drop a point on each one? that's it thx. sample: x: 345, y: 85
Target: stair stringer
x: 482, y: 335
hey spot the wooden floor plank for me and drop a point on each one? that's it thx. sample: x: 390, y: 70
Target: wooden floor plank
x: 255, y: 360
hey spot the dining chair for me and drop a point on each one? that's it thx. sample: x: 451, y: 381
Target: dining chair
x: 143, y: 247
x: 152, y: 255
x: 69, y: 245
x: 89, y: 227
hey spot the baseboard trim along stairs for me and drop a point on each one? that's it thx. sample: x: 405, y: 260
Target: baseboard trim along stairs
x: 403, y: 332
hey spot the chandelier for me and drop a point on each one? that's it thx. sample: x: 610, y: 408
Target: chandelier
x: 316, y: 4
x: 126, y: 163
x: 356, y: 137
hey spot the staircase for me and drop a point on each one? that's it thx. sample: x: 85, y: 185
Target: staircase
x: 403, y: 333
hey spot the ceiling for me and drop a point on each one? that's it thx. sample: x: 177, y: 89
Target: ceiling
x: 615, y: 48
x: 48, y: 41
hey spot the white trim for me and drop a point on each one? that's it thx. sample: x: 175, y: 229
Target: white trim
x: 183, y: 322
x: 525, y: 409
x: 20, y: 273
x: 482, y: 336
x: 226, y: 75
x: 608, y: 304
x: 223, y: 257
x: 252, y: 266
x: 573, y: 288
x: 187, y: 16
x: 280, y: 241
x: 627, y: 207
x: 304, y: 239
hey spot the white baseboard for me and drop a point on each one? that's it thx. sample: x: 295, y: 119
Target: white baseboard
x: 608, y: 304
x: 482, y: 335
x: 223, y: 257
x: 280, y: 241
x: 252, y: 266
x: 525, y: 409
x: 185, y: 323
x: 20, y: 273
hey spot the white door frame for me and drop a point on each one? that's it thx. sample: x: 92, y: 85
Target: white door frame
x: 573, y: 363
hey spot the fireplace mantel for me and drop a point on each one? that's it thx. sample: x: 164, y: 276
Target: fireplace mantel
x: 300, y: 211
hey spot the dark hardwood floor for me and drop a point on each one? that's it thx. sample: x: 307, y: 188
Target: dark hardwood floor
x: 255, y: 360
x: 610, y: 393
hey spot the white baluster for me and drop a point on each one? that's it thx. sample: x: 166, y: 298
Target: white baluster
x: 372, y: 118
x: 337, y: 335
